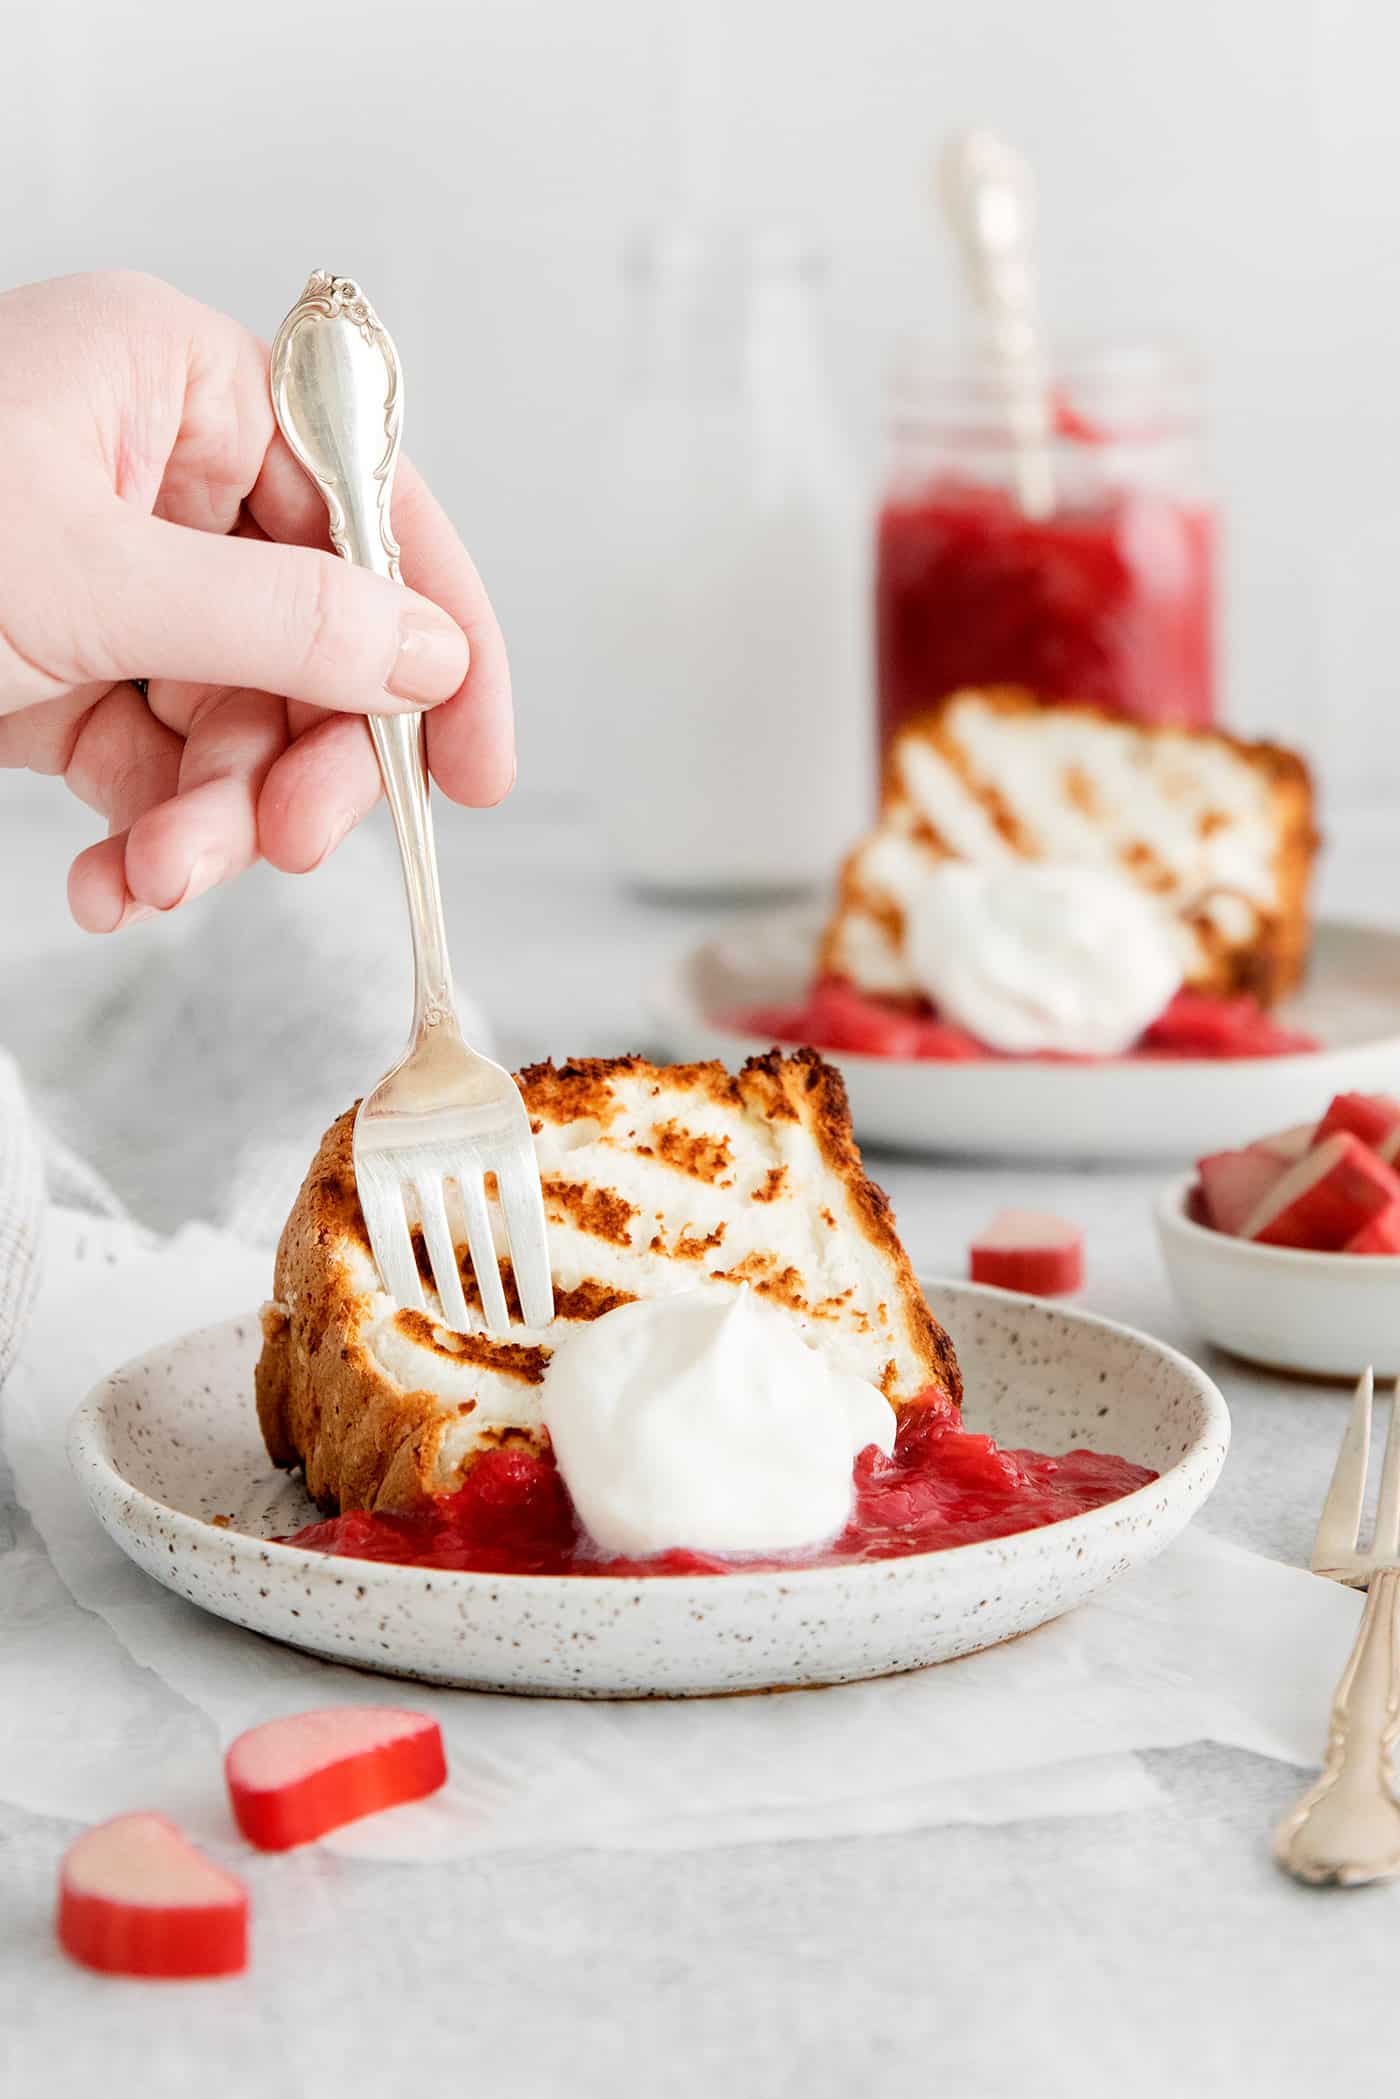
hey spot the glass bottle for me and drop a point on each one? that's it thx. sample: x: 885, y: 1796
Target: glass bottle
x: 735, y: 628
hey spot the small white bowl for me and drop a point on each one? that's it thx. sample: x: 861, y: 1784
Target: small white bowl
x: 1327, y: 1315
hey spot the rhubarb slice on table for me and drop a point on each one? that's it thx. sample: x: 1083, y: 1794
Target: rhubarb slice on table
x: 1326, y: 1199
x: 1030, y: 1251
x: 136, y: 1898
x: 292, y: 1780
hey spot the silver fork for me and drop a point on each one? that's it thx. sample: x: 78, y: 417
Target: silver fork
x: 1346, y: 1828
x: 445, y: 1114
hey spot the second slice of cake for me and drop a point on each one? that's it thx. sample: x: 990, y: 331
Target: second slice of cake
x: 1218, y: 831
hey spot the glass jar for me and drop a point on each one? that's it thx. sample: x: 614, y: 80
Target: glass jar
x: 736, y: 619
x: 1109, y: 597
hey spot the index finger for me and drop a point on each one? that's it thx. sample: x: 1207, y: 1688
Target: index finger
x: 471, y: 737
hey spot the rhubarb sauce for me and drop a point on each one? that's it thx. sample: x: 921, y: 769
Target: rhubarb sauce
x: 1112, y: 604
x: 835, y: 1016
x: 941, y: 1486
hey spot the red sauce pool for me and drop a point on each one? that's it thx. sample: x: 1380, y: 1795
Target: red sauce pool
x: 941, y: 1487
x: 1111, y: 604
x: 835, y: 1016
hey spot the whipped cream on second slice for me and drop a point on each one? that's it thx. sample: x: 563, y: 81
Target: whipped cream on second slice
x: 1029, y: 956
x: 704, y: 1421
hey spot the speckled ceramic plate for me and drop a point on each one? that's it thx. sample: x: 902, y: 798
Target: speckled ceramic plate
x: 169, y: 1456
x: 1026, y: 1108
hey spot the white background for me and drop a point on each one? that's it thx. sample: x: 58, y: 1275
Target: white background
x: 1221, y: 171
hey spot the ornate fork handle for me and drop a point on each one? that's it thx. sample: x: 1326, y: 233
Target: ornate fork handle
x: 335, y: 368
x: 1346, y: 1828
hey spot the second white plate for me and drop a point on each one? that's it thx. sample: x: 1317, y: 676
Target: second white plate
x: 1025, y: 1109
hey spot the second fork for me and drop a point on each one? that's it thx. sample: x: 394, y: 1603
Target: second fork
x: 1346, y: 1828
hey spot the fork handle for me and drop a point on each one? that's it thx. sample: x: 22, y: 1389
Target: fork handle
x: 401, y: 748
x: 1346, y: 1828
x: 337, y: 392
x: 400, y: 744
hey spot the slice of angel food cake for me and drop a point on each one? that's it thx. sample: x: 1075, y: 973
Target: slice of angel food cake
x: 1047, y: 879
x: 742, y: 1368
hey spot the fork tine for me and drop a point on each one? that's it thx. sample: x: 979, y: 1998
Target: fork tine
x: 1340, y: 1524
x: 483, y: 1249
x: 522, y: 1207
x: 442, y: 1256
x: 381, y: 1200
x: 1386, y: 1544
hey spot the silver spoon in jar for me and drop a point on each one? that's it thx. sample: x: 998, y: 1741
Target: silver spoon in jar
x: 988, y: 198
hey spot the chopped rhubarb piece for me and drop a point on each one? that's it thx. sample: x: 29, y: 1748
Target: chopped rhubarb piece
x: 1380, y: 1236
x: 1234, y: 1184
x: 1373, y: 1117
x: 136, y: 1898
x: 292, y: 1780
x: 1030, y: 1251
x: 842, y: 1018
x: 1197, y: 1024
x: 940, y: 1042
x: 1287, y: 1145
x: 1326, y: 1199
x: 778, y: 1023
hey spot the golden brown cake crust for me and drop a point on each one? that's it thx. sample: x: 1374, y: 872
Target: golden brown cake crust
x: 1269, y: 964
x: 322, y: 1402
x: 325, y: 1402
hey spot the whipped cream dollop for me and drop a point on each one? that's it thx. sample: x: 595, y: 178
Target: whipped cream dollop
x: 1030, y: 956
x: 704, y: 1421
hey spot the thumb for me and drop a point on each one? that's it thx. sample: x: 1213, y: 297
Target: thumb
x: 171, y: 602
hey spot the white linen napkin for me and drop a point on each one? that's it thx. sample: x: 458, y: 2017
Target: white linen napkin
x: 21, y: 1212
x: 1209, y: 1642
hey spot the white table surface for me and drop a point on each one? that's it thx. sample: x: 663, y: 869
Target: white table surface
x: 1150, y: 1954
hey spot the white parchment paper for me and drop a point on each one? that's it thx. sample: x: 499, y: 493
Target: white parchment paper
x: 130, y: 1693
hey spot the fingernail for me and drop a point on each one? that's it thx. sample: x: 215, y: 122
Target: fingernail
x: 132, y: 914
x: 206, y: 871
x: 340, y: 829
x: 432, y: 656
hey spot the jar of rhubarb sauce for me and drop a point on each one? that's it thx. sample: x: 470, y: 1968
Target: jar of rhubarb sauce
x: 1105, y: 593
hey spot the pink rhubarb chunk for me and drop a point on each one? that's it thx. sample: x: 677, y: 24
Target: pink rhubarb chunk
x: 1031, y: 1251
x: 136, y: 1898
x: 1332, y: 1193
x: 292, y: 1780
x: 1373, y: 1117
x: 1234, y: 1184
x: 1287, y: 1145
x: 840, y: 1019
x: 1380, y: 1236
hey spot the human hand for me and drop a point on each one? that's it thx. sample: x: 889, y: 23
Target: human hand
x: 154, y: 526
